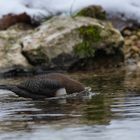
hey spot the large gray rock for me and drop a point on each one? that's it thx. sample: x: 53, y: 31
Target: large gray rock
x: 63, y: 41
x: 10, y: 49
x: 59, y: 43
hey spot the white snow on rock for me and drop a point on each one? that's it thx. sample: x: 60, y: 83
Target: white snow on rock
x: 38, y: 9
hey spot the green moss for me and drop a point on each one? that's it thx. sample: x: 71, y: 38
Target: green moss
x: 90, y: 36
x: 93, y: 12
x: 90, y: 33
x: 83, y: 50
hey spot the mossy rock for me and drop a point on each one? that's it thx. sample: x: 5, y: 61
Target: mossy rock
x: 93, y: 12
x: 95, y: 37
x: 101, y: 60
x: 91, y: 37
x: 37, y: 57
x: 63, y: 41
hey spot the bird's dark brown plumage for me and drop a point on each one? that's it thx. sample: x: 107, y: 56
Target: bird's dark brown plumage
x: 45, y: 86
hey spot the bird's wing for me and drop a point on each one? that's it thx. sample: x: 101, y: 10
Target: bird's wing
x: 45, y: 87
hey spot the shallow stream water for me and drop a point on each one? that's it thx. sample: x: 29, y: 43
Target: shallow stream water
x: 112, y: 113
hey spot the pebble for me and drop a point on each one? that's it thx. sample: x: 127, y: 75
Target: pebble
x: 127, y: 32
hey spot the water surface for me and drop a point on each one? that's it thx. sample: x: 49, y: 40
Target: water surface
x: 112, y: 113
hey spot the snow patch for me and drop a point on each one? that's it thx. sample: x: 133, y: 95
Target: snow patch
x: 38, y: 9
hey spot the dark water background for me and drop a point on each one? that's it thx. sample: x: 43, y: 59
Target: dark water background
x: 113, y: 113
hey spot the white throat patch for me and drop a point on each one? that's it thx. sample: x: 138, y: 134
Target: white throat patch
x: 61, y: 92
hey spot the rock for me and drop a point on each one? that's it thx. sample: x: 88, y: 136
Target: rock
x: 127, y: 32
x: 133, y: 37
x: 93, y: 11
x: 9, y: 20
x: 128, y: 42
x: 10, y: 49
x: 121, y: 24
x: 132, y: 45
x: 96, y: 11
x: 135, y: 49
x: 138, y: 33
x: 62, y: 42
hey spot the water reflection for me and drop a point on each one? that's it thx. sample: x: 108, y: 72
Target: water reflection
x: 113, y: 112
x: 97, y: 111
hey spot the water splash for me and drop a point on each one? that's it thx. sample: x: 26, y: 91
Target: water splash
x: 86, y: 94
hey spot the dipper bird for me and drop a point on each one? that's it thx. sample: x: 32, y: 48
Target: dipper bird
x: 46, y: 86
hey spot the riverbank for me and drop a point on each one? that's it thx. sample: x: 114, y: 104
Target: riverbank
x: 85, y: 41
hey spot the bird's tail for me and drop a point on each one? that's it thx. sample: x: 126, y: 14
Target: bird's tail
x: 8, y: 87
x: 21, y: 92
x: 12, y: 88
